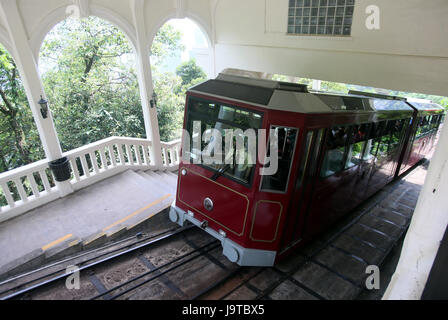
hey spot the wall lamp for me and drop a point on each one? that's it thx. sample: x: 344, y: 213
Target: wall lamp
x: 43, y: 107
x: 153, y: 101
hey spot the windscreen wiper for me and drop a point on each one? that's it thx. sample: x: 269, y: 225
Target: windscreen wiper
x: 220, y: 172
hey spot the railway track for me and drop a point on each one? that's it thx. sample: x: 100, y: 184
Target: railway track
x: 187, y: 263
x: 311, y: 256
x: 49, y: 282
x: 22, y: 284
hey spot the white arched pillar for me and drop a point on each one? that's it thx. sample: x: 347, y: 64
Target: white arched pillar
x: 145, y: 81
x: 32, y: 83
x: 426, y: 230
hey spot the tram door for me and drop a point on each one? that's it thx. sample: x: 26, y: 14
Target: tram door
x: 303, y: 189
x: 273, y: 197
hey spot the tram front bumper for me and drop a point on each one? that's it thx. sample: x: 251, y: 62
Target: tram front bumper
x: 233, y: 251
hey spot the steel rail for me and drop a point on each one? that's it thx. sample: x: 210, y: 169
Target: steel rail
x: 138, y: 235
x: 157, y: 269
x: 88, y: 266
x: 164, y: 272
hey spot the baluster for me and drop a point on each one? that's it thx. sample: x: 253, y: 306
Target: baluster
x: 33, y: 184
x: 165, y: 155
x: 129, y: 153
x: 94, y: 162
x: 170, y: 156
x: 44, y: 178
x: 112, y: 155
x: 138, y: 154
x: 121, y: 155
x: 103, y: 159
x: 145, y: 154
x: 84, y: 165
x: 75, y: 169
x: 8, y: 195
x: 21, y: 190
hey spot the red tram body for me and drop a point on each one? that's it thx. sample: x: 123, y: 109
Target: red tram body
x: 334, y: 151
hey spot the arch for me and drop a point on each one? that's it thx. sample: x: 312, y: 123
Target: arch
x: 173, y: 15
x: 59, y: 14
x: 206, y: 31
x: 6, y: 43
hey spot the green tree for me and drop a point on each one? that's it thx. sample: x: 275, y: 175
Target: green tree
x: 171, y: 87
x: 170, y: 105
x: 166, y: 43
x: 19, y: 140
x: 190, y: 72
x: 90, y: 79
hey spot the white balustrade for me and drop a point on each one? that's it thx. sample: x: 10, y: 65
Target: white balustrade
x: 89, y: 164
x: 170, y: 153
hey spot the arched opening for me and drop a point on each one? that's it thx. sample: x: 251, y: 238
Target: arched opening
x: 89, y: 74
x: 180, y: 58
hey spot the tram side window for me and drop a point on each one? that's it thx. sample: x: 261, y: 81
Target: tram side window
x: 435, y: 122
x: 384, y: 140
x: 418, y: 131
x: 424, y: 126
x: 286, y: 146
x: 334, y: 155
x: 203, y: 116
x: 358, y: 140
x: 372, y: 140
x: 397, y: 131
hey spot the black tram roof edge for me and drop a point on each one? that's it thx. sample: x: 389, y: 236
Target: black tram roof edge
x: 420, y: 105
x: 290, y: 97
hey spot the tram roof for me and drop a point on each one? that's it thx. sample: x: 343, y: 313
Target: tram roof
x: 284, y: 96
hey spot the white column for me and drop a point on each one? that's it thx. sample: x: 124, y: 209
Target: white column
x: 32, y: 83
x: 145, y: 81
x: 426, y: 230
x: 316, y: 85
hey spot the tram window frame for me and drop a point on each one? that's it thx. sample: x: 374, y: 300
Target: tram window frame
x: 326, y: 170
x: 384, y: 140
x: 419, y: 128
x: 375, y: 132
x: 205, y: 120
x: 305, y: 159
x: 358, y: 137
x: 435, y: 122
x: 285, y: 182
x: 397, y: 133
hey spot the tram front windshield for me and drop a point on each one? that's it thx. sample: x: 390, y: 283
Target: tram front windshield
x: 216, y: 150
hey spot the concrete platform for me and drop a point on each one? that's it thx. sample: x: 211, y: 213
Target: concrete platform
x: 84, y: 219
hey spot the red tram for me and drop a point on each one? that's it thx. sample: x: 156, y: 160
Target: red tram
x: 334, y: 151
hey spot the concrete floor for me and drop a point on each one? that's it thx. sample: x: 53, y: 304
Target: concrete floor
x: 95, y: 213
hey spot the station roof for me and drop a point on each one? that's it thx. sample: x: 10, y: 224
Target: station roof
x: 284, y: 96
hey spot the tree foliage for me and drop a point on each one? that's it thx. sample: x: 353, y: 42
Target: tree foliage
x: 19, y: 140
x: 91, y: 82
x: 190, y: 72
x: 89, y: 74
